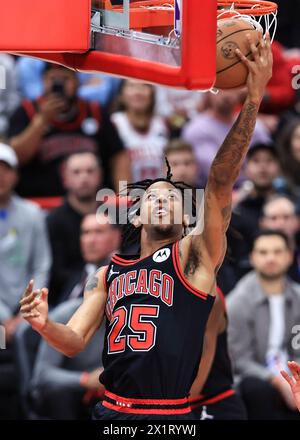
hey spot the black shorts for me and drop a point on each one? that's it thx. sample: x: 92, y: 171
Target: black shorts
x: 102, y: 413
x: 230, y: 408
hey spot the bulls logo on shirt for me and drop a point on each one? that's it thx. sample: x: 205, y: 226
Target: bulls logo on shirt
x: 161, y: 255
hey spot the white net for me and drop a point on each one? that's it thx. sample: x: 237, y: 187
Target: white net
x: 264, y: 23
x: 162, y: 7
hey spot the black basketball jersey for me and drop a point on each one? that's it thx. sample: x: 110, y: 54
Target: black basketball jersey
x: 155, y: 327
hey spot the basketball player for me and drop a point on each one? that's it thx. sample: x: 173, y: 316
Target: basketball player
x: 294, y: 381
x: 157, y: 304
x: 212, y: 395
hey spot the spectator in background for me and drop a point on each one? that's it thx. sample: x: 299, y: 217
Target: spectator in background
x: 98, y: 87
x: 99, y: 239
x: 280, y: 94
x: 30, y: 77
x: 262, y: 310
x: 9, y: 96
x: 143, y: 133
x: 279, y: 213
x: 24, y: 247
x: 288, y: 144
x: 206, y: 131
x: 261, y: 169
x: 288, y: 31
x: 182, y: 161
x: 44, y: 132
x: 177, y: 106
x: 92, y: 87
x: 24, y: 254
x: 62, y: 387
x: 293, y: 111
x: 82, y: 178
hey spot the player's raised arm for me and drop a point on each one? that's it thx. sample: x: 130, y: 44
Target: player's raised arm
x: 72, y: 338
x: 228, y: 161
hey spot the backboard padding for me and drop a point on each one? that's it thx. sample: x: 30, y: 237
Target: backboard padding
x: 45, y: 25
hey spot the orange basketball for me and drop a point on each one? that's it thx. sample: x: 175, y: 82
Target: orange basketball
x: 231, y: 35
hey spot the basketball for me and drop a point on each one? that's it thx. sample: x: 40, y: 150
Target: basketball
x: 231, y: 35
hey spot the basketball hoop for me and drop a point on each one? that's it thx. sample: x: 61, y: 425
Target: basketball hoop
x: 249, y: 7
x: 149, y: 14
x: 263, y: 14
x: 168, y: 42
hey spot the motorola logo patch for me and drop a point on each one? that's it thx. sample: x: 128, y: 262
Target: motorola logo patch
x: 161, y: 255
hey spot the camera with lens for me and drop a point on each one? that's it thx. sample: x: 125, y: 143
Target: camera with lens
x: 58, y: 88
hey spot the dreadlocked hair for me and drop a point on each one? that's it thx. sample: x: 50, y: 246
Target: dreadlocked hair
x: 132, y: 234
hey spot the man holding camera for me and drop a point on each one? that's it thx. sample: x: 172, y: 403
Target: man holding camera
x: 46, y: 131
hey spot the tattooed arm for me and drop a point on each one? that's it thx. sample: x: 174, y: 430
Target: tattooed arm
x: 228, y: 161
x: 72, y: 338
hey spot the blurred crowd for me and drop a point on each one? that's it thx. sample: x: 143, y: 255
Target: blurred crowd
x: 64, y: 136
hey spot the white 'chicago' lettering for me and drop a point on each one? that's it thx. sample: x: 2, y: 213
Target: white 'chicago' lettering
x: 143, y: 282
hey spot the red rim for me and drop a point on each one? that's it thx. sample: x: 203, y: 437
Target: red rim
x: 142, y: 16
x: 247, y: 7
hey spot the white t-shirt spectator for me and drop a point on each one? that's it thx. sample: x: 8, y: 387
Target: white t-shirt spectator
x: 276, y: 357
x: 170, y: 101
x: 145, y: 148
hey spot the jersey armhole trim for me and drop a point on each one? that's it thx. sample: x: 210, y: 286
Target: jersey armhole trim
x: 182, y: 277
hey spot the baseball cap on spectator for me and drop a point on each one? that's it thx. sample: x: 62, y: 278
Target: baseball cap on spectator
x: 8, y: 155
x: 262, y: 147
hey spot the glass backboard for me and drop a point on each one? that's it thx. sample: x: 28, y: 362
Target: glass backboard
x: 147, y: 30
